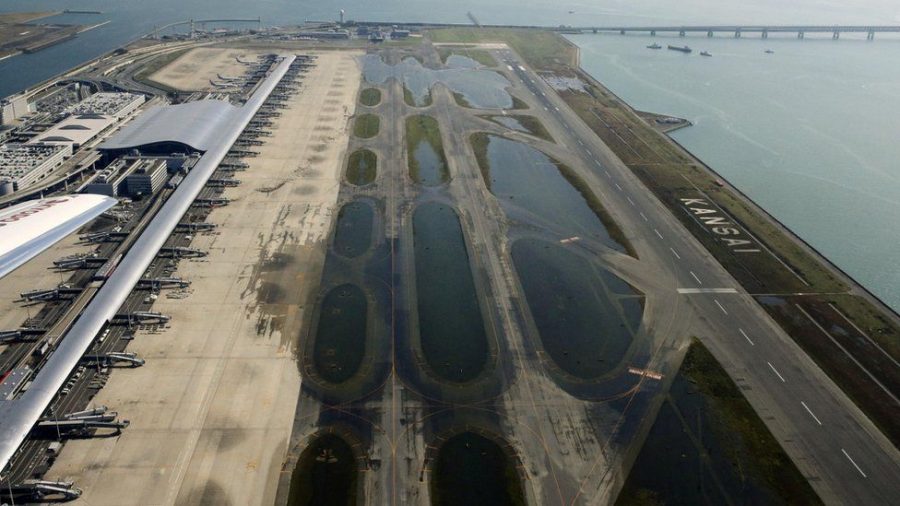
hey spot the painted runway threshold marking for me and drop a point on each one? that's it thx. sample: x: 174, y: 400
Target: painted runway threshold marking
x: 746, y: 337
x: 776, y: 372
x: 706, y: 290
x: 854, y: 463
x: 811, y: 413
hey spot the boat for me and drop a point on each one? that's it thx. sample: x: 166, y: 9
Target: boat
x: 769, y: 51
x: 684, y: 49
x: 705, y: 53
x: 654, y: 46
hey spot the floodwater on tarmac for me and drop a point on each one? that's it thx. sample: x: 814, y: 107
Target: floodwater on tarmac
x: 353, y: 232
x: 473, y: 470
x: 425, y: 151
x: 451, y: 327
x: 325, y: 475
x: 482, y: 89
x: 584, y: 328
x: 530, y: 184
x: 361, y: 167
x: 430, y: 169
x: 341, y: 333
x: 511, y: 123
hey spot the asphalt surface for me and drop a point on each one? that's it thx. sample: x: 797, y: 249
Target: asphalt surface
x: 845, y: 457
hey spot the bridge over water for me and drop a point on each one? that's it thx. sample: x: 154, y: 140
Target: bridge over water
x: 739, y: 30
x: 202, y: 22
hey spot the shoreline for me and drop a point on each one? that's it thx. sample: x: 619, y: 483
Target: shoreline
x: 855, y: 287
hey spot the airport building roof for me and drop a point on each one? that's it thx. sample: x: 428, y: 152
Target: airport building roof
x: 23, y: 164
x: 197, y: 125
x: 108, y: 103
x: 19, y: 159
x: 75, y: 130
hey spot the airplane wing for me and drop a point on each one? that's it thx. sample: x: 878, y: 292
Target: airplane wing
x: 28, y: 229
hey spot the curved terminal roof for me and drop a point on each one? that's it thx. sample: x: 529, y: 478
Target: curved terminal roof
x: 30, y: 228
x: 19, y: 415
x: 198, y: 125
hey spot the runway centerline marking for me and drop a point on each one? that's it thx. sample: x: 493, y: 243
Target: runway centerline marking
x: 696, y: 278
x: 619, y: 187
x: 675, y: 253
x: 776, y: 372
x: 854, y: 463
x: 816, y: 418
x: 630, y: 201
x: 720, y: 305
x: 686, y: 291
x: 746, y: 337
x: 642, y: 214
x: 657, y: 233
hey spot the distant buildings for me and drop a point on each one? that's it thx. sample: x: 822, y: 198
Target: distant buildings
x: 22, y: 165
x: 129, y: 177
x: 117, y: 105
x: 14, y: 108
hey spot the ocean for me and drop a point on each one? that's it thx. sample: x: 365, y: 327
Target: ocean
x: 809, y: 132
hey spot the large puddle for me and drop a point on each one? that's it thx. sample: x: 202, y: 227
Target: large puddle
x: 325, y: 475
x: 473, y: 470
x: 583, y: 326
x: 425, y: 151
x: 522, y: 123
x: 362, y: 167
x: 483, y: 89
x: 341, y: 333
x: 353, y: 233
x: 532, y: 187
x: 511, y: 123
x: 451, y: 327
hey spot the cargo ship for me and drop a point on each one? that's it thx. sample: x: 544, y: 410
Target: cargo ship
x: 705, y: 53
x: 654, y: 46
x: 683, y: 49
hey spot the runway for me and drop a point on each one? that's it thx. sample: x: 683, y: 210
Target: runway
x: 847, y: 460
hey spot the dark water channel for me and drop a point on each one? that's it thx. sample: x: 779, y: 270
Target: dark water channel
x: 325, y: 475
x: 583, y: 326
x: 531, y: 186
x: 353, y: 232
x: 451, y: 327
x: 511, y: 123
x: 483, y: 89
x: 472, y: 470
x: 341, y: 333
x: 430, y: 168
x: 362, y: 167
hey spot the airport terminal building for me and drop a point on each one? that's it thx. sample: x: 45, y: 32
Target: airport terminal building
x: 22, y: 165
